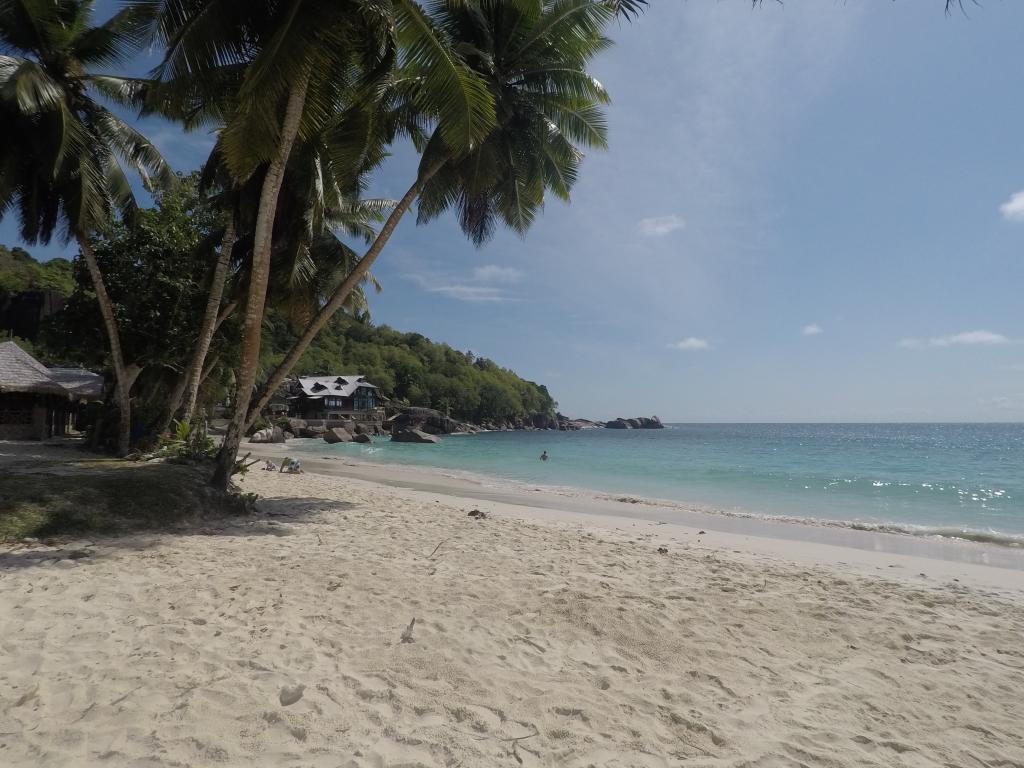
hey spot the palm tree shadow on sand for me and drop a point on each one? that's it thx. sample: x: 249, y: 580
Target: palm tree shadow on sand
x: 74, y: 511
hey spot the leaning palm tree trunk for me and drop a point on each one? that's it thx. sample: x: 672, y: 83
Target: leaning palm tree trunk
x: 337, y: 300
x: 252, y: 329
x: 123, y: 378
x: 220, y: 275
x: 173, y: 402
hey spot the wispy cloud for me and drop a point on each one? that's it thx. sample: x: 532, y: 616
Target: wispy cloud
x: 659, y: 226
x: 966, y: 339
x: 478, y: 288
x: 690, y: 344
x: 1013, y: 209
x: 1004, y: 403
x: 470, y: 293
x: 492, y: 273
x: 812, y: 330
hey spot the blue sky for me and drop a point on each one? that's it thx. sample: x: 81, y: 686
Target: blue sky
x: 807, y: 213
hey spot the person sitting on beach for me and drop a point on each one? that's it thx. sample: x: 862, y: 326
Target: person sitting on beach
x: 294, y: 467
x: 270, y: 466
x: 544, y: 456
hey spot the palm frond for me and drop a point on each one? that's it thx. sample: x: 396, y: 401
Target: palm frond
x: 115, y: 41
x: 26, y: 84
x: 135, y: 149
x: 448, y: 88
x: 131, y: 92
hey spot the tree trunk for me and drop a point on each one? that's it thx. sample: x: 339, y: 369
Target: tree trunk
x: 123, y: 379
x: 174, y: 401
x: 341, y: 293
x: 225, y: 313
x: 208, y: 370
x: 220, y: 275
x: 252, y: 329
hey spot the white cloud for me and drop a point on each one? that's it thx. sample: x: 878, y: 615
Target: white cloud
x: 690, y: 344
x: 492, y: 273
x: 966, y: 338
x: 659, y: 226
x: 812, y: 330
x: 471, y: 293
x: 1013, y: 209
x: 475, y: 288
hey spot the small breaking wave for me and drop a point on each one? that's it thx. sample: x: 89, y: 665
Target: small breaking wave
x: 977, y: 535
x: 946, y: 532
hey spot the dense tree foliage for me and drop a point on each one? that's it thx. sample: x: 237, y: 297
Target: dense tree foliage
x: 155, y: 273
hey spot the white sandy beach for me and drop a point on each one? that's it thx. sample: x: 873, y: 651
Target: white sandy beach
x: 540, y: 639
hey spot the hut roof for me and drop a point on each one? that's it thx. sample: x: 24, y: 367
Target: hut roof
x: 20, y: 372
x: 340, y: 386
x: 79, y: 382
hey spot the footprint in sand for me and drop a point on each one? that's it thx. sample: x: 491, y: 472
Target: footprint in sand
x: 290, y: 694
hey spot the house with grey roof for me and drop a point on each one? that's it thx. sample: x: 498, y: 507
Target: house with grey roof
x: 37, y: 402
x: 334, y: 398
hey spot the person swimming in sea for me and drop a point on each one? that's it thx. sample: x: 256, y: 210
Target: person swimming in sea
x: 544, y: 456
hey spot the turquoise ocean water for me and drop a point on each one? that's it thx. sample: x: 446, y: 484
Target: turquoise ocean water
x: 962, y: 480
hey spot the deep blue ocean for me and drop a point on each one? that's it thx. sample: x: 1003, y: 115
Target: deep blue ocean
x: 926, y: 478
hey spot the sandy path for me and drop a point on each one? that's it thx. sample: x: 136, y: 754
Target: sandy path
x: 534, y: 644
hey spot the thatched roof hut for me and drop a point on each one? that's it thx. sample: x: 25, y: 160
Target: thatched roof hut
x: 38, y: 402
x: 22, y: 374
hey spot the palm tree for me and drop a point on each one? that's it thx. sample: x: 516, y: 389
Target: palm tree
x: 193, y: 375
x: 63, y: 156
x: 533, y: 57
x: 289, y: 67
x: 309, y: 260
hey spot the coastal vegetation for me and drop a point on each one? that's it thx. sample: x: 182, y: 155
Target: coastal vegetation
x: 413, y: 370
x: 154, y: 274
x: 65, y: 154
x: 306, y: 100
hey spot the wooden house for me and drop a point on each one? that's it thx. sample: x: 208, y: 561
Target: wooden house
x: 334, y: 398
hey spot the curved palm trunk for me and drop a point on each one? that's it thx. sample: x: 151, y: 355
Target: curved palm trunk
x: 173, y: 402
x: 341, y: 293
x: 199, y: 354
x: 252, y: 331
x: 208, y: 370
x: 225, y: 313
x: 123, y: 377
x: 220, y: 275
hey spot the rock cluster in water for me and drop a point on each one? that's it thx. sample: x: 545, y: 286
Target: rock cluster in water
x: 641, y: 422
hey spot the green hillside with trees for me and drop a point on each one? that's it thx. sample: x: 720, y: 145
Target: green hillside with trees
x: 412, y: 369
x: 20, y: 272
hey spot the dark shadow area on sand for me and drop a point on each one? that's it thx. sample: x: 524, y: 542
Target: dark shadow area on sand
x: 56, y: 512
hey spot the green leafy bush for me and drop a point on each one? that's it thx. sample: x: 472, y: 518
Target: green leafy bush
x: 189, y: 441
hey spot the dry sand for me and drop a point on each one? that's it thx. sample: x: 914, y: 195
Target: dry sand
x: 538, y: 641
